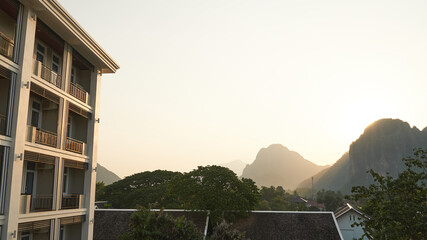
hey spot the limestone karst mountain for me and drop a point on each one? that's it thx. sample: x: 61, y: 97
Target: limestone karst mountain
x: 381, y: 147
x: 105, y: 175
x: 278, y: 166
x: 236, y: 166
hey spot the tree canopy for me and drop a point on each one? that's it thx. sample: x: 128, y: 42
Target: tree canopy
x: 216, y: 189
x: 146, y: 189
x: 396, y: 207
x: 145, y: 224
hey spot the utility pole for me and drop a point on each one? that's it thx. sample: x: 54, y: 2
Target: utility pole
x: 312, y: 188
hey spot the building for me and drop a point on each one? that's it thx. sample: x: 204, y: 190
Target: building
x: 259, y: 225
x: 50, y: 73
x: 346, y: 216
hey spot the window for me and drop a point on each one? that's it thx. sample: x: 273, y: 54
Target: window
x: 61, y: 233
x: 30, y: 178
x: 3, y: 175
x: 40, y: 53
x: 73, y: 75
x: 35, y: 114
x: 55, y: 63
x: 69, y: 125
x: 25, y: 236
x: 65, y: 181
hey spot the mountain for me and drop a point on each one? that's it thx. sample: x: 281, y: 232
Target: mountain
x: 236, y: 166
x: 381, y: 147
x: 105, y: 175
x: 278, y: 166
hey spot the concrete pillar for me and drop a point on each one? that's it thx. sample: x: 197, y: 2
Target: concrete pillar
x: 92, y: 141
x: 20, y: 112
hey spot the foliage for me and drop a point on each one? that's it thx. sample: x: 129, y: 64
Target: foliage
x: 332, y: 200
x: 100, y: 191
x: 217, y: 189
x: 149, y: 225
x: 146, y: 189
x: 223, y: 231
x: 277, y: 199
x: 396, y: 207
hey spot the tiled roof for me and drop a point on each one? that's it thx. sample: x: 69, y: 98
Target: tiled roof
x: 109, y: 224
x: 289, y: 225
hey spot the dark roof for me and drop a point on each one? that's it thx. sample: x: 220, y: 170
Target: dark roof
x: 262, y: 225
x: 289, y: 225
x: 111, y: 223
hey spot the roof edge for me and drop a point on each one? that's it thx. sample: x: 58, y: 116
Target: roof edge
x: 59, y: 11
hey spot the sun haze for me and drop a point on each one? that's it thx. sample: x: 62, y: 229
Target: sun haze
x: 208, y: 82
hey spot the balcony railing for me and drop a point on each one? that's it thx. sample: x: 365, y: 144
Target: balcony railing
x: 3, y: 120
x: 78, y: 92
x: 6, y: 47
x: 41, y: 136
x: 36, y: 203
x: 47, y: 74
x: 72, y: 201
x: 73, y: 145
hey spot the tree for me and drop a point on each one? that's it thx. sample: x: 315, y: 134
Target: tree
x: 149, y: 225
x: 216, y: 189
x: 223, y: 231
x: 146, y: 189
x: 100, y: 191
x: 396, y: 207
x: 332, y: 200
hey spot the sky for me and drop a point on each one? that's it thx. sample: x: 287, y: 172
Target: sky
x: 213, y: 81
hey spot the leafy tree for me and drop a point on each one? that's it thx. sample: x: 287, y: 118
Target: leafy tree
x: 397, y: 207
x: 146, y: 189
x: 149, y: 225
x: 223, y: 231
x: 100, y: 191
x: 332, y: 200
x: 217, y: 189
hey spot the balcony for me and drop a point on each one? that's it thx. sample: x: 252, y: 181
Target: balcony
x: 72, y: 201
x: 40, y: 136
x: 76, y: 146
x: 44, y: 72
x: 78, y: 92
x: 36, y: 203
x: 6, y: 46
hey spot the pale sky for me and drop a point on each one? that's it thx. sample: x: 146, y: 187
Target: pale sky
x: 209, y: 82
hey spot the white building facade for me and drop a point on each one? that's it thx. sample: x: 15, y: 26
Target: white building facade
x: 346, y: 217
x: 50, y: 73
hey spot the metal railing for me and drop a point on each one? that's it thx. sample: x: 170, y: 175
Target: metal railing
x: 36, y: 203
x: 73, y: 145
x: 41, y: 202
x: 47, y: 74
x: 71, y: 201
x: 3, y: 121
x: 78, y: 92
x: 6, y: 47
x: 46, y: 138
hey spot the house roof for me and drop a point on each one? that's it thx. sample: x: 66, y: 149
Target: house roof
x: 110, y: 223
x: 61, y: 22
x: 340, y: 212
x: 289, y: 225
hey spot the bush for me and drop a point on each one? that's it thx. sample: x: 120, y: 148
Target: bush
x: 149, y: 225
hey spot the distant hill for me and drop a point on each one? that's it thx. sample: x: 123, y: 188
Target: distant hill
x: 381, y: 147
x: 236, y: 166
x: 105, y: 175
x: 278, y: 166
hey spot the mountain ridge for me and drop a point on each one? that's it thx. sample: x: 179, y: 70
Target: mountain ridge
x: 276, y: 165
x: 380, y: 147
